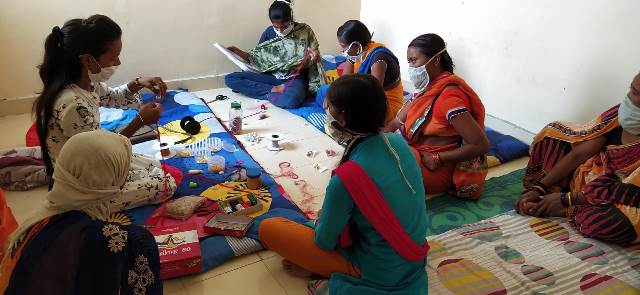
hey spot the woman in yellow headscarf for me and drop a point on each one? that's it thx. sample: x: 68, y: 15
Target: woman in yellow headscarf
x: 68, y: 246
x: 368, y: 57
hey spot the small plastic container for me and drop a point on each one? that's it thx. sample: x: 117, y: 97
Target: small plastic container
x: 216, y: 164
x: 229, y: 147
x: 253, y: 179
x: 235, y: 118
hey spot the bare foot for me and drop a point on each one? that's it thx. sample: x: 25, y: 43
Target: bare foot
x: 278, y: 89
x: 295, y: 270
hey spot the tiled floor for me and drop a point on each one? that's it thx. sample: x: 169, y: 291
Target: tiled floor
x: 259, y: 273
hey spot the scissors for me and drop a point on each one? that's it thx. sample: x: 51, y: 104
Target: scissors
x: 219, y: 97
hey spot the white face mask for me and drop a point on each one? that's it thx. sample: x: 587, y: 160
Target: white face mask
x: 286, y: 31
x: 419, y: 75
x: 341, y: 134
x: 103, y: 75
x: 629, y: 116
x: 358, y: 56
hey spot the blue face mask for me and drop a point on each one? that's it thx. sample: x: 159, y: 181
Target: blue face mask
x: 629, y: 116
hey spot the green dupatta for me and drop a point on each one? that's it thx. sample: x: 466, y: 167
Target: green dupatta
x: 286, y: 53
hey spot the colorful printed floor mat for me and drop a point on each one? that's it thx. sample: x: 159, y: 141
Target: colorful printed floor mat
x: 512, y: 254
x: 216, y: 249
x: 500, y: 194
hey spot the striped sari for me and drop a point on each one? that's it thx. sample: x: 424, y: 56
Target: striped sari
x: 610, y: 181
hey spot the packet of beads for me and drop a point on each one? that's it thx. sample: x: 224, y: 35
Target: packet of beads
x: 183, y: 208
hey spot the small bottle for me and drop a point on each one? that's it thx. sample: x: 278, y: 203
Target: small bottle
x: 235, y: 118
x: 253, y: 179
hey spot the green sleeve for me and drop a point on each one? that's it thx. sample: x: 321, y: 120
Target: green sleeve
x: 336, y: 212
x: 313, y: 41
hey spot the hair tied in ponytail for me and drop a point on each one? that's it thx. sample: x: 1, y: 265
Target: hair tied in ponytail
x: 59, y: 36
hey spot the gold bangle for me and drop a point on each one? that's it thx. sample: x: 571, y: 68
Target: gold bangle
x: 569, y: 199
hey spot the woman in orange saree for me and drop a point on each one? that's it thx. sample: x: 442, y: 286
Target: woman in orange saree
x: 590, y: 173
x: 443, y: 123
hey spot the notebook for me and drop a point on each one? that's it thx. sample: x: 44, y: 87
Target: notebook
x: 241, y: 63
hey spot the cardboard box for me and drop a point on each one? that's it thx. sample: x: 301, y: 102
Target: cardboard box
x: 228, y: 225
x: 179, y: 250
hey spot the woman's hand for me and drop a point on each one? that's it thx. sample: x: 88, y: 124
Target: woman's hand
x: 527, y: 201
x: 150, y: 113
x: 429, y: 161
x: 239, y: 52
x: 550, y: 206
x: 314, y: 55
x: 155, y: 84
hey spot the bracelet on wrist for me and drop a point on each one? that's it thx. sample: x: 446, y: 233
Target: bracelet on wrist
x: 538, y: 189
x: 542, y: 185
x: 569, y: 199
x: 436, y: 157
x: 141, y: 120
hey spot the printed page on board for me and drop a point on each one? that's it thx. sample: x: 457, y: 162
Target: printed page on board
x: 241, y: 63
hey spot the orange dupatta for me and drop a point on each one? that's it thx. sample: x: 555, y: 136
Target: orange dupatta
x: 419, y: 119
x: 11, y: 260
x: 467, y: 177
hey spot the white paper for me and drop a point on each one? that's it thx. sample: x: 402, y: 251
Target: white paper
x: 241, y: 63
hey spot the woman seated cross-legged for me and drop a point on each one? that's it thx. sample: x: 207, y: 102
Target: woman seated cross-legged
x: 278, y: 55
x: 590, y: 173
x: 443, y: 122
x: 370, y: 237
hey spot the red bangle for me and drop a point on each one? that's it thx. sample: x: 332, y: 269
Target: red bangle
x: 436, y: 157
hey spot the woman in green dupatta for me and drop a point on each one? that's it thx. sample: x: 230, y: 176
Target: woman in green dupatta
x: 279, y: 53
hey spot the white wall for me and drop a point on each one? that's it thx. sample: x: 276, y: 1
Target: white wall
x: 530, y: 61
x: 172, y: 39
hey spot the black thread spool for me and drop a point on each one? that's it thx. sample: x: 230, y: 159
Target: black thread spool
x: 190, y: 125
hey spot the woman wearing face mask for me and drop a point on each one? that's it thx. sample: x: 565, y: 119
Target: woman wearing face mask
x: 79, y: 57
x: 67, y: 246
x: 590, y: 173
x: 277, y: 67
x: 370, y: 237
x: 443, y: 123
x: 368, y: 57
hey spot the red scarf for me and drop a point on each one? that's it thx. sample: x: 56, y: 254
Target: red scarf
x: 374, y: 207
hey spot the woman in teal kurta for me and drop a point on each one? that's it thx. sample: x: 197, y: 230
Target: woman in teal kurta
x: 370, y: 265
